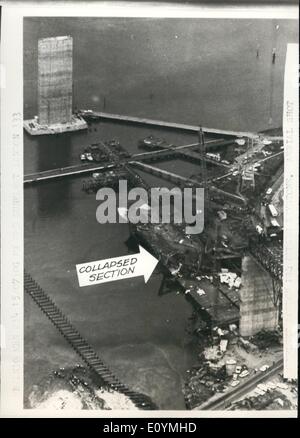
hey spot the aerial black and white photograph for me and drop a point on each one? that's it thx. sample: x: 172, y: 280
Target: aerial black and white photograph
x: 154, y: 161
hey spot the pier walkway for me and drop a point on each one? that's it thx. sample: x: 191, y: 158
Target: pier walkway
x: 79, y: 169
x: 178, y: 179
x: 164, y: 124
x: 84, y: 168
x: 164, y: 174
x: 195, y: 157
x: 80, y: 345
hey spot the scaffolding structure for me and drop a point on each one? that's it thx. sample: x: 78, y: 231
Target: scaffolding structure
x: 55, y: 88
x: 55, y: 78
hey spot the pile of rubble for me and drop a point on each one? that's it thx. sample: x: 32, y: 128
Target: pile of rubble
x: 226, y: 360
x: 263, y: 340
x: 230, y: 278
x: 203, y: 383
x: 218, y: 369
x: 267, y: 399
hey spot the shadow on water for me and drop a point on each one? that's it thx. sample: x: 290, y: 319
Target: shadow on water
x: 54, y: 151
x: 54, y: 198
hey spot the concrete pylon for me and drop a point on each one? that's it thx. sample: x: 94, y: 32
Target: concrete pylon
x: 257, y: 309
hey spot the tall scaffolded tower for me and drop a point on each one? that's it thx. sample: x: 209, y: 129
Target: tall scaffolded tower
x: 55, y: 87
x: 55, y: 67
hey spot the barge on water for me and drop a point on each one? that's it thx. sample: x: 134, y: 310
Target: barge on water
x: 105, y: 179
x: 110, y: 150
x: 34, y: 127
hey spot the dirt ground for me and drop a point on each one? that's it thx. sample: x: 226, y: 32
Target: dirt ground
x: 211, y: 376
x: 75, y: 388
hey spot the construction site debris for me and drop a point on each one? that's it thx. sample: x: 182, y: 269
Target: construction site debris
x: 230, y: 366
x: 223, y: 345
x: 200, y: 291
x: 203, y: 383
x: 270, y: 400
x: 246, y: 345
x: 212, y: 353
x: 282, y: 385
x: 266, y: 339
x: 227, y: 360
x: 230, y: 278
x: 232, y: 327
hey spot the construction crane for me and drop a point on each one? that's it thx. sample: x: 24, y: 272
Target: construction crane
x: 202, y: 150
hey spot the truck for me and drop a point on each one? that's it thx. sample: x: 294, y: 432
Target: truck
x: 222, y: 215
x: 273, y: 210
x: 213, y: 156
x: 274, y: 223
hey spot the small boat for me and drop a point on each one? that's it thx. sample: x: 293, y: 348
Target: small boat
x: 88, y: 115
x: 152, y: 143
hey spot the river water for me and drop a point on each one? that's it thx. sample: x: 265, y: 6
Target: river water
x: 196, y: 71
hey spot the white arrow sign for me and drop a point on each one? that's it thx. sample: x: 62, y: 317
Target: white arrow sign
x: 117, y: 268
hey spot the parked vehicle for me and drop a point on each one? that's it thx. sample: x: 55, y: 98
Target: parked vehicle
x: 89, y: 156
x: 273, y: 210
x: 152, y: 143
x: 259, y: 229
x: 274, y: 223
x: 222, y: 215
x: 212, y: 156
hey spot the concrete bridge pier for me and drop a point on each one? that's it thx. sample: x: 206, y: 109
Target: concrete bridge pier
x: 259, y: 310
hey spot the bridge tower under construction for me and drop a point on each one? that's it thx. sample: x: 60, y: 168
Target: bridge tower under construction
x: 55, y: 67
x: 55, y: 88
